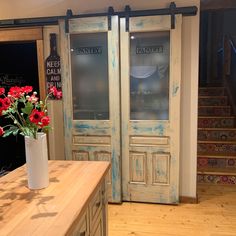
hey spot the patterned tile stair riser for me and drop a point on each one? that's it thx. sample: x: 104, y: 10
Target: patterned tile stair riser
x: 216, y: 179
x: 216, y: 122
x: 214, y: 101
x: 217, y: 135
x: 214, y: 111
x: 216, y: 138
x: 216, y: 149
x: 208, y: 163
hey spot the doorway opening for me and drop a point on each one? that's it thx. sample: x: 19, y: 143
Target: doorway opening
x: 216, y: 108
x: 18, y: 67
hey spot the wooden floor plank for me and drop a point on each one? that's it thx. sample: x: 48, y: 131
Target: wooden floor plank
x: 215, y: 215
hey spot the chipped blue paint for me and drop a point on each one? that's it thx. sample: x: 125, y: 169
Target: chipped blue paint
x: 139, y: 24
x: 157, y: 130
x: 100, y: 25
x: 83, y: 128
x: 175, y: 89
x: 142, y: 129
x: 114, y: 173
x: 68, y: 125
x: 113, y: 61
x: 87, y: 148
x: 173, y: 195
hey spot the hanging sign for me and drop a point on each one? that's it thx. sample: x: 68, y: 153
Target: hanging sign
x: 149, y: 49
x: 89, y: 50
x: 53, y: 66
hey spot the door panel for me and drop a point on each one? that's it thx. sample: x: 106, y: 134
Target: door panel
x: 92, y: 101
x: 150, y: 106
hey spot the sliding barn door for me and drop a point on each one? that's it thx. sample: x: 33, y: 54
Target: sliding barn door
x: 90, y: 67
x: 150, y: 106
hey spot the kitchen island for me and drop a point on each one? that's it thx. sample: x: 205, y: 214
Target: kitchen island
x: 75, y: 202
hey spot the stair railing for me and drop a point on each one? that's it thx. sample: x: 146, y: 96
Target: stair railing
x: 229, y: 69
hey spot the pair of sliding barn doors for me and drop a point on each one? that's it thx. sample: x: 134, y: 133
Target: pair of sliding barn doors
x: 122, y: 102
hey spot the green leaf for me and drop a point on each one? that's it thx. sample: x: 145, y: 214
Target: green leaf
x: 12, y: 130
x: 15, y: 132
x: 28, y: 108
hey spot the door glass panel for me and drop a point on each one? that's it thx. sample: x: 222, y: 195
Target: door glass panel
x: 149, y: 75
x: 89, y: 68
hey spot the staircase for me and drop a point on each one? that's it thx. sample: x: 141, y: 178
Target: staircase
x: 216, y: 137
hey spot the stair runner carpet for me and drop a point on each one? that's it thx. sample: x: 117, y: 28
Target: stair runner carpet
x: 216, y: 137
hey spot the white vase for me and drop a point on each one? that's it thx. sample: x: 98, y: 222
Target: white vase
x: 37, y: 161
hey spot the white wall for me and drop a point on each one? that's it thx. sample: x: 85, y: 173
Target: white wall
x: 32, y: 8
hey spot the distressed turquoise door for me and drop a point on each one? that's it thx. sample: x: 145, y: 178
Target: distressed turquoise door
x: 150, y: 107
x: 90, y: 67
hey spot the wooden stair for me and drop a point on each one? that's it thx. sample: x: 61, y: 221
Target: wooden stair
x: 216, y: 138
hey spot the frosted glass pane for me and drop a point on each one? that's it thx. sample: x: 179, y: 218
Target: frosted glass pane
x: 149, y: 75
x: 89, y: 67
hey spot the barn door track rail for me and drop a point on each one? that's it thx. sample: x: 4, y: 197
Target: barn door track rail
x: 127, y: 13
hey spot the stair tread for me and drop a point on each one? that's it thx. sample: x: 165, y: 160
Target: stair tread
x: 217, y: 141
x: 213, y: 96
x: 214, y: 106
x: 215, y: 117
x: 214, y: 87
x: 219, y: 106
x: 216, y: 156
x: 212, y: 154
x: 217, y: 171
x: 217, y: 129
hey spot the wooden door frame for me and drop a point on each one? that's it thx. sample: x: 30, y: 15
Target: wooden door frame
x: 29, y: 34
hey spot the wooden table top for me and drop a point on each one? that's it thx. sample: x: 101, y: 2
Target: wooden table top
x: 49, y: 211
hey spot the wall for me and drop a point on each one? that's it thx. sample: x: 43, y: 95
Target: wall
x: 55, y: 136
x: 32, y: 8
x: 217, y: 4
x: 229, y: 18
x: 230, y: 30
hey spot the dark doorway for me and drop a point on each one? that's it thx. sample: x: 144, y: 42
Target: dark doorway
x: 18, y: 67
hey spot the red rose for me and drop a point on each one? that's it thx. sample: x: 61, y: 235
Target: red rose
x: 53, y: 90
x: 15, y: 92
x: 1, y: 131
x: 45, y: 121
x: 36, y: 116
x: 2, y: 91
x: 7, y: 102
x: 2, y: 106
x: 59, y: 94
x: 27, y: 89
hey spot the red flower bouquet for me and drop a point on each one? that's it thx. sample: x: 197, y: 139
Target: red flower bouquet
x: 28, y: 115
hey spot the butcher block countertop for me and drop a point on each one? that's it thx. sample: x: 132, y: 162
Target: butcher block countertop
x: 49, y: 211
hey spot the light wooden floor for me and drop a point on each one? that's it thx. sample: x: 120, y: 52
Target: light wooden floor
x: 215, y: 215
